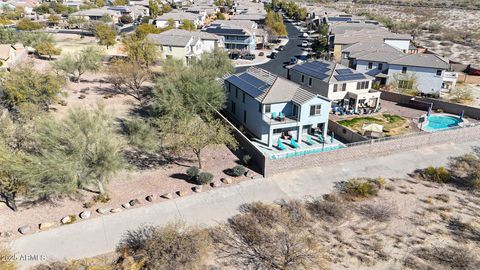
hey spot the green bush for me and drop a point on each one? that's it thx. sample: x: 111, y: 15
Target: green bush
x: 246, y: 159
x: 204, y: 178
x: 361, y: 187
x: 88, y: 204
x: 436, y: 174
x: 103, y: 198
x: 193, y: 172
x: 238, y: 170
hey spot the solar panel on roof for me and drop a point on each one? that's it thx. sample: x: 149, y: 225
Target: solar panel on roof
x: 244, y: 86
x: 344, y: 71
x: 318, y: 73
x: 348, y: 77
x: 252, y: 80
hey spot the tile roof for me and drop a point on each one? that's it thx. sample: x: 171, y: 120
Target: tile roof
x: 422, y: 60
x: 329, y: 72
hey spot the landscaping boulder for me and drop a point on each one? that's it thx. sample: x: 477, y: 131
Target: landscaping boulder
x: 67, y: 220
x: 103, y: 211
x: 197, y: 189
x: 46, y: 225
x: 216, y: 184
x: 135, y: 202
x: 126, y: 205
x: 226, y: 180
x: 182, y: 193
x: 249, y: 173
x: 150, y: 198
x: 85, y: 214
x: 25, y: 229
x: 116, y: 210
x: 167, y: 196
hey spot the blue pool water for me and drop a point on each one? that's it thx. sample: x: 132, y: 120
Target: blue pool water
x: 439, y: 122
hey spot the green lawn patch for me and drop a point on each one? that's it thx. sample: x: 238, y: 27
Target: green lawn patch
x: 392, y: 124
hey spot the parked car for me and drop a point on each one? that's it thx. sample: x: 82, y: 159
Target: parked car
x: 305, y: 35
x: 234, y: 56
x: 273, y: 55
x: 249, y: 56
x: 280, y: 48
x: 305, y: 43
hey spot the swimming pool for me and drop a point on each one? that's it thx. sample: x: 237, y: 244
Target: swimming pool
x: 440, y: 122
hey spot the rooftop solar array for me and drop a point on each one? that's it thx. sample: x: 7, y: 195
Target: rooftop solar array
x: 344, y: 71
x: 249, y: 84
x: 225, y: 31
x: 349, y: 77
x: 315, y: 69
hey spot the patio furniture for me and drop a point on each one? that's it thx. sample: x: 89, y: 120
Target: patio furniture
x: 274, y: 115
x: 280, y: 145
x: 294, y: 143
x: 281, y: 116
x: 320, y: 138
x: 309, y: 140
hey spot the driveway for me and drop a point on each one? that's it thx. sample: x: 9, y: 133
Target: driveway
x: 276, y: 66
x: 100, y: 235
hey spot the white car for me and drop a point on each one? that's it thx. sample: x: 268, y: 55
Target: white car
x: 305, y: 35
x: 305, y: 43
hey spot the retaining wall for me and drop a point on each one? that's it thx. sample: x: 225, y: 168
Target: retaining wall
x: 345, y: 133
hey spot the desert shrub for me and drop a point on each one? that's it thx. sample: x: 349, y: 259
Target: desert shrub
x: 465, y: 170
x: 449, y: 256
x: 380, y: 182
x: 297, y: 213
x: 381, y: 212
x: 192, y: 172
x: 103, y: 198
x: 81, y: 96
x: 360, y: 187
x: 267, y: 236
x: 204, y: 178
x: 174, y: 246
x: 462, y: 95
x: 238, y: 170
x: 90, y: 263
x: 443, y: 197
x: 246, y: 159
x: 435, y: 174
x: 5, y: 262
x: 463, y: 229
x: 88, y: 204
x: 330, y: 208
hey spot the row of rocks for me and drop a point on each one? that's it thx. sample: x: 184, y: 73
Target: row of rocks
x: 104, y: 211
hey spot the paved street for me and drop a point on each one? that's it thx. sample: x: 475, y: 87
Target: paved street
x: 100, y: 235
x: 292, y: 48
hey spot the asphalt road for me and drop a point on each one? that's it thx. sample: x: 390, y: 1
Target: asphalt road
x: 293, y: 48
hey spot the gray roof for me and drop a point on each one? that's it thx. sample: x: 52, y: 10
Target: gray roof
x: 173, y: 38
x: 268, y: 88
x: 178, y: 16
x: 95, y: 12
x: 368, y: 35
x: 422, y: 60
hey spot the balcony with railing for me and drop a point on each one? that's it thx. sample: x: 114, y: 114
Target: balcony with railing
x: 279, y: 120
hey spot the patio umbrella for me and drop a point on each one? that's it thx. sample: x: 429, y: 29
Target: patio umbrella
x: 372, y: 130
x: 462, y: 114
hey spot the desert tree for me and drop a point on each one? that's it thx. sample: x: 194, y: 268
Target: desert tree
x: 47, y: 48
x: 172, y: 247
x: 82, y: 149
x: 188, y: 25
x: 140, y: 50
x: 106, y: 35
x: 25, y: 84
x: 129, y: 78
x: 269, y: 237
x: 11, y: 182
x: 75, y: 65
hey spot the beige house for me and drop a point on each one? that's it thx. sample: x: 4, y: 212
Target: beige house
x: 185, y: 45
x: 12, y: 55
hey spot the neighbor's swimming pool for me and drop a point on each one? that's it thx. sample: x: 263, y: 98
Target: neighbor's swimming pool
x: 440, y: 122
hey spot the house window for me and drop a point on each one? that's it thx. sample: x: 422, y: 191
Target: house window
x: 344, y: 87
x: 303, y: 78
x: 439, y: 72
x: 370, y: 65
x: 268, y: 108
x: 380, y: 66
x: 233, y: 107
x: 295, y: 111
x: 404, y: 84
x: 335, y: 88
x: 309, y: 81
x: 245, y: 117
x: 243, y: 97
x: 315, y: 110
x: 362, y: 85
x: 404, y: 70
x: 236, y: 92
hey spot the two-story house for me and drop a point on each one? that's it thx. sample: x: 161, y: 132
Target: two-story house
x: 238, y: 35
x: 96, y: 14
x: 271, y: 107
x: 177, y: 17
x: 345, y: 87
x: 185, y: 45
x: 425, y: 72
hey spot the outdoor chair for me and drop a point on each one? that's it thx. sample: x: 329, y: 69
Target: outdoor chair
x: 309, y: 140
x: 280, y: 145
x: 274, y: 115
x: 294, y: 143
x: 281, y: 116
x: 320, y: 138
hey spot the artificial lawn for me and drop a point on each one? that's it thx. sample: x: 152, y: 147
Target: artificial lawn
x: 392, y: 124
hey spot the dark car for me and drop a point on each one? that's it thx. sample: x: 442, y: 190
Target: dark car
x: 273, y: 55
x: 234, y: 56
x: 249, y: 56
x: 280, y: 48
